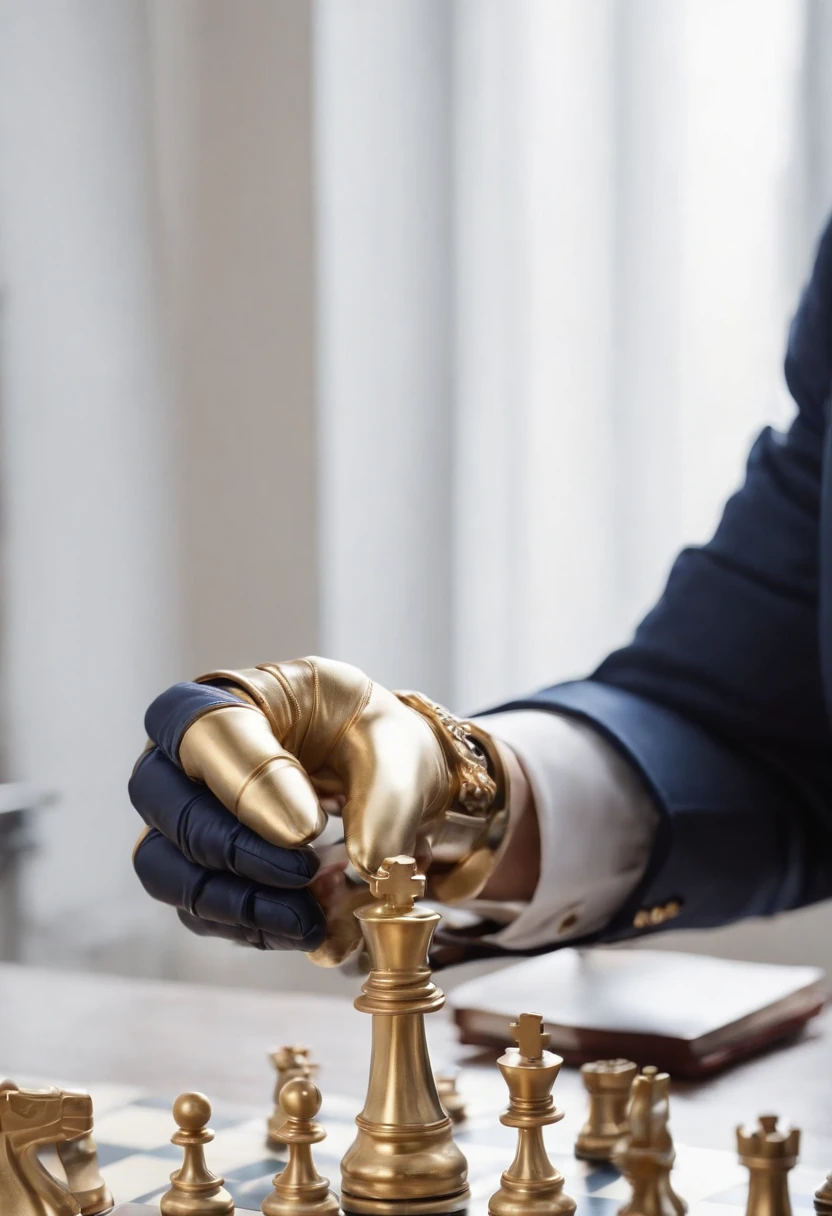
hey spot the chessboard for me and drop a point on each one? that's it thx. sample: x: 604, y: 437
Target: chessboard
x: 133, y: 1129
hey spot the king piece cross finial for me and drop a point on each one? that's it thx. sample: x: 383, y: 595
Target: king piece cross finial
x: 529, y: 1037
x: 398, y: 883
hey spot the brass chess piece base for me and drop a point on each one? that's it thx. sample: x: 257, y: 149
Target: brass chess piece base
x: 403, y: 1160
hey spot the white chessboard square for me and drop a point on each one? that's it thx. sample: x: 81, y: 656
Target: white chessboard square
x: 137, y: 1175
x: 137, y: 1127
x: 237, y: 1145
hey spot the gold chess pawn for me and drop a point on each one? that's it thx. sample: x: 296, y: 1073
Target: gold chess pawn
x: 403, y: 1160
x: 768, y: 1152
x: 299, y: 1190
x: 289, y: 1062
x: 194, y: 1190
x: 531, y: 1186
x: 608, y: 1084
x: 645, y: 1154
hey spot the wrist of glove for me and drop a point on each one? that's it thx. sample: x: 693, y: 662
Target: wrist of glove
x: 239, y: 771
x: 474, y: 827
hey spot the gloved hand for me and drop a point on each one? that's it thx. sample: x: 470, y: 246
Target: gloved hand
x: 237, y: 781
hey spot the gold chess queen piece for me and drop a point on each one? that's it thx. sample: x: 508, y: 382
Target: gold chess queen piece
x: 30, y: 1119
x: 768, y: 1152
x: 194, y: 1190
x: 531, y: 1186
x: 608, y: 1084
x: 403, y: 1160
x: 299, y: 1190
x: 289, y: 1062
x: 645, y: 1154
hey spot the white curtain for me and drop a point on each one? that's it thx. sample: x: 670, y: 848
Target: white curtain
x: 473, y: 309
x: 631, y: 200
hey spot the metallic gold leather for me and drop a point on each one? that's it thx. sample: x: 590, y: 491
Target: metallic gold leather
x: 233, y: 750
x: 353, y: 738
x: 325, y: 730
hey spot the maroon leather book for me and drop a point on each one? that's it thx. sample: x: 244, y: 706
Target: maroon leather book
x: 686, y: 1013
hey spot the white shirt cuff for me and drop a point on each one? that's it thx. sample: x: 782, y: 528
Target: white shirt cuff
x: 597, y: 824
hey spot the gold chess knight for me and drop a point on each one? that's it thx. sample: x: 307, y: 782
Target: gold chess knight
x: 403, y: 1160
x: 645, y: 1155
x: 29, y: 1120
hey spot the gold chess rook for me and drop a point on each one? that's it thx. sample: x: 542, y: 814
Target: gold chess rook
x: 403, y: 1160
x: 608, y: 1084
x: 768, y: 1152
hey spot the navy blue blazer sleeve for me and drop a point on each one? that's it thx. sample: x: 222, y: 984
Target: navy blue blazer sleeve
x: 719, y: 698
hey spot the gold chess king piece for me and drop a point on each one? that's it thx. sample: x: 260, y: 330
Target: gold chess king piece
x: 30, y: 1119
x: 289, y: 1062
x: 645, y: 1154
x: 194, y: 1190
x: 299, y: 1190
x: 403, y: 1160
x: 823, y: 1197
x: 608, y: 1084
x: 450, y: 1097
x: 531, y: 1186
x: 79, y: 1158
x: 768, y: 1152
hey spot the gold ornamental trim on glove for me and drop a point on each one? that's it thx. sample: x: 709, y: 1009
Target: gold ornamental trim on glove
x: 476, y: 819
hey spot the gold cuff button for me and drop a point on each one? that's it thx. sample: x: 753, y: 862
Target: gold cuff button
x: 646, y: 918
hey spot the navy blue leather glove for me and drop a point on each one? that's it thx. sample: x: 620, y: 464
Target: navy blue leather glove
x: 224, y: 879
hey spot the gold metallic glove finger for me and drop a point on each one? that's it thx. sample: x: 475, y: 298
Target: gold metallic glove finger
x: 353, y: 735
x: 396, y: 782
x: 233, y: 750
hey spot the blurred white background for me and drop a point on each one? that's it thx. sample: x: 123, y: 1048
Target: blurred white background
x: 421, y: 333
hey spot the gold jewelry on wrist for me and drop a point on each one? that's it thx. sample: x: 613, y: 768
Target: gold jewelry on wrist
x: 469, y: 842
